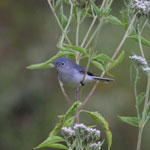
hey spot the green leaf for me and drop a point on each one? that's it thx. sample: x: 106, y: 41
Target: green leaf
x: 98, y: 65
x: 48, y: 63
x: 58, y: 2
x: 62, y: 18
x: 117, y: 60
x: 140, y: 98
x: 143, y: 40
x: 67, y: 1
x: 59, y: 55
x: 50, y: 141
x: 56, y: 129
x: 102, y: 57
x: 40, y: 66
x: 113, y: 20
x: 70, y: 113
x: 58, y: 146
x: 124, y: 19
x: 101, y: 120
x: 76, y: 48
x: 134, y: 121
x: 148, y: 112
x: 96, y: 9
x: 69, y: 122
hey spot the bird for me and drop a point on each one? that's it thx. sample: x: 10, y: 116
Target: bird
x: 72, y: 74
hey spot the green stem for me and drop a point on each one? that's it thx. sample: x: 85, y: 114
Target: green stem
x: 49, y: 2
x: 124, y: 37
x: 93, y: 35
x: 77, y: 35
x: 69, y: 21
x: 135, y: 92
x: 89, y: 30
x: 142, y: 122
x: 77, y: 30
x: 65, y: 94
x: 140, y: 43
x: 139, y: 138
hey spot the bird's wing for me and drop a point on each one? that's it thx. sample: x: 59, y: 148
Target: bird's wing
x: 81, y: 69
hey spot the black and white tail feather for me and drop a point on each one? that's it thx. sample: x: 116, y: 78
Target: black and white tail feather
x: 102, y: 79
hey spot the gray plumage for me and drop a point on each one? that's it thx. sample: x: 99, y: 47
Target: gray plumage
x: 71, y: 74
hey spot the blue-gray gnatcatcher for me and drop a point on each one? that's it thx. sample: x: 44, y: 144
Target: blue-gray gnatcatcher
x: 71, y: 74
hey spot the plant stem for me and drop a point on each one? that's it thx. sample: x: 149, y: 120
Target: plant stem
x: 93, y: 35
x: 77, y: 35
x: 65, y: 94
x: 113, y: 57
x: 77, y: 30
x: 49, y: 2
x: 135, y: 92
x: 124, y: 37
x: 140, y: 44
x: 142, y: 122
x: 139, y: 138
x: 89, y: 30
x: 68, y: 23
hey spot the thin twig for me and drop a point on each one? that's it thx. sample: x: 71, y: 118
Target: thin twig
x: 89, y: 30
x: 93, y: 35
x: 68, y: 23
x: 140, y: 44
x: 65, y: 94
x: 124, y: 38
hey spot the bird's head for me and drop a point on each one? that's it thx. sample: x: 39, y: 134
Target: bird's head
x: 62, y: 63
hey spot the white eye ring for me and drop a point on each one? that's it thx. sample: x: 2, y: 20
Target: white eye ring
x: 62, y: 63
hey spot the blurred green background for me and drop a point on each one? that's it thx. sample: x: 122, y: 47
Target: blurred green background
x: 30, y: 101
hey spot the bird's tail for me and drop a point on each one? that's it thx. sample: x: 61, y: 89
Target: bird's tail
x: 103, y: 79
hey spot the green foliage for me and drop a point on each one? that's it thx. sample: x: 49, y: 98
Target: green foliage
x: 40, y: 66
x: 48, y: 63
x: 57, y: 128
x: 98, y: 65
x: 66, y: 120
x: 101, y: 120
x: 102, y: 57
x: 58, y: 2
x: 96, y: 8
x: 113, y: 20
x: 62, y: 18
x: 124, y: 19
x: 143, y: 40
x: 75, y: 48
x: 70, y: 113
x: 116, y: 61
x: 134, y: 121
x: 52, y: 142
x: 140, y: 99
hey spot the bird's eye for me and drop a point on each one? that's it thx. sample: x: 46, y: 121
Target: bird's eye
x: 62, y: 63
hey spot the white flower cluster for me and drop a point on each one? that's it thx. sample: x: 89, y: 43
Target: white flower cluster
x: 91, y: 131
x: 95, y: 146
x: 140, y: 60
x: 141, y: 7
x: 81, y: 125
x: 146, y: 69
x: 68, y: 131
x: 94, y: 131
x: 83, y: 135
